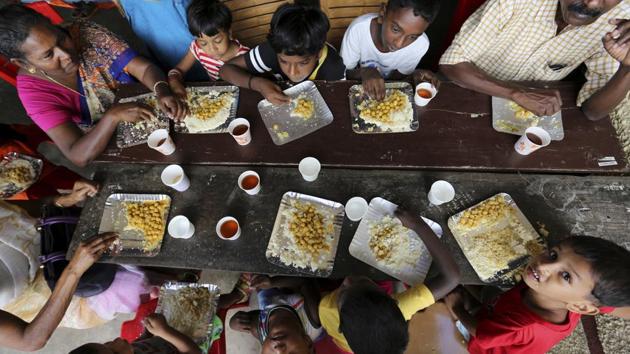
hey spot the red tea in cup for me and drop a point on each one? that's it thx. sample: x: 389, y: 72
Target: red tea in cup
x: 424, y: 93
x: 229, y: 229
x: 240, y: 129
x: 249, y: 182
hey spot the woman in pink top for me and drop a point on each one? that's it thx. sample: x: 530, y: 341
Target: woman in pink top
x: 68, y: 77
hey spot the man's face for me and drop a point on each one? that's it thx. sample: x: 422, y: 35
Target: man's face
x: 585, y: 12
x: 286, y: 335
x: 297, y: 67
x: 561, y: 275
x: 400, y: 27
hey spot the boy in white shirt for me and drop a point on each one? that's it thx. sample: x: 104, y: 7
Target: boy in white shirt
x: 389, y: 45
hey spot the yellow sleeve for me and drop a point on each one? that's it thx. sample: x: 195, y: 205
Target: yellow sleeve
x: 329, y: 318
x: 413, y: 300
x: 478, y: 32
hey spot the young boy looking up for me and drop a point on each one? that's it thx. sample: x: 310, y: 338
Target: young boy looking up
x: 295, y: 50
x: 389, y: 45
x: 210, y: 22
x: 576, y: 277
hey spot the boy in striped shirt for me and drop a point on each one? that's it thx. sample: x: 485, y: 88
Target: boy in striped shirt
x: 295, y: 51
x: 209, y: 22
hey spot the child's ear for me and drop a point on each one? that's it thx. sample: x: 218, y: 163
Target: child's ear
x: 583, y: 308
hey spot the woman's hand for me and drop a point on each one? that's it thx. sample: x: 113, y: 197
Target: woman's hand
x: 80, y: 191
x: 131, y: 112
x: 90, y: 251
x: 168, y: 103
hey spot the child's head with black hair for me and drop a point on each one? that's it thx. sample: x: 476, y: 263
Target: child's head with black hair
x: 298, y: 35
x: 370, y: 320
x: 210, y: 21
x: 403, y: 21
x: 581, y: 273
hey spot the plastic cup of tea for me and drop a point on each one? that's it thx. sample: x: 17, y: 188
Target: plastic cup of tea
x: 441, y: 192
x: 239, y: 129
x: 309, y: 167
x: 249, y: 181
x: 161, y: 141
x: 356, y: 208
x: 228, y: 228
x: 425, y: 92
x: 174, y: 177
x: 181, y: 227
x: 533, y: 139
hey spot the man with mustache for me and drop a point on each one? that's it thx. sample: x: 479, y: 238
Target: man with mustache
x: 545, y: 40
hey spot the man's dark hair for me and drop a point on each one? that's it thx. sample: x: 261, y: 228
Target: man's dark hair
x: 89, y: 348
x: 372, y: 322
x: 298, y: 30
x: 208, y: 17
x: 428, y: 9
x: 610, y: 264
x: 16, y: 22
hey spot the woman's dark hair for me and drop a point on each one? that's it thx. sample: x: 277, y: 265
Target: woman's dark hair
x: 298, y: 30
x: 16, y: 22
x: 610, y: 264
x: 428, y: 9
x: 372, y: 322
x: 208, y: 17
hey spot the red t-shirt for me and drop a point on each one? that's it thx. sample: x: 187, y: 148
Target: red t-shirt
x: 512, y: 328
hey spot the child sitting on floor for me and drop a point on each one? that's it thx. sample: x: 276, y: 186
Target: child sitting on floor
x: 361, y: 317
x: 576, y: 277
x: 165, y: 340
x: 389, y: 45
x: 295, y: 50
x: 210, y: 22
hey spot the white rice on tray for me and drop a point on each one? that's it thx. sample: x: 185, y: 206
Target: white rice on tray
x: 403, y: 251
x: 399, y: 120
x: 284, y: 247
x: 196, y: 125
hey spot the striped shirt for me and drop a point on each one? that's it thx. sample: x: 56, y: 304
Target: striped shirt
x: 516, y: 40
x: 211, y: 64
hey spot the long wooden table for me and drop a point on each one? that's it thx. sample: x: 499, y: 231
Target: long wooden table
x: 455, y: 134
x: 558, y: 204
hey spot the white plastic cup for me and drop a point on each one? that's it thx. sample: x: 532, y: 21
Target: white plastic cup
x: 242, y: 138
x: 356, y: 208
x: 309, y: 167
x: 441, y: 192
x: 181, y: 227
x: 161, y: 141
x: 251, y: 191
x: 526, y: 146
x: 421, y: 101
x: 174, y: 177
x: 223, y: 221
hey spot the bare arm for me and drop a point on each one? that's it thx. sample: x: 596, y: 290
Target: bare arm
x: 541, y: 102
x: 235, y: 71
x: 176, y: 81
x: 156, y: 325
x: 622, y: 312
x: 18, y: 334
x: 448, y: 276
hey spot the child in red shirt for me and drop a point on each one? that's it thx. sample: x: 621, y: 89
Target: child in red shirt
x: 576, y: 277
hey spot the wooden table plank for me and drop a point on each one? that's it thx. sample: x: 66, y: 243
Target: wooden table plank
x: 455, y: 133
x: 560, y: 204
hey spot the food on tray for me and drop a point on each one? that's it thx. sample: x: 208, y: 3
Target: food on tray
x: 487, y: 213
x: 147, y: 217
x: 18, y: 172
x: 391, y: 243
x: 188, y: 310
x: 394, y: 112
x: 206, y: 112
x: 520, y: 112
x: 306, y: 237
x: 302, y: 107
x: 133, y: 133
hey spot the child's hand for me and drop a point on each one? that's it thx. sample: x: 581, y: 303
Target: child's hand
x: 421, y: 75
x: 261, y: 281
x: 272, y: 92
x: 156, y: 324
x: 373, y: 83
x: 454, y: 299
x: 406, y: 218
